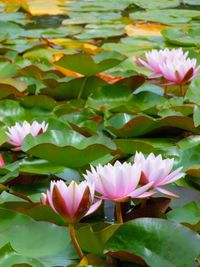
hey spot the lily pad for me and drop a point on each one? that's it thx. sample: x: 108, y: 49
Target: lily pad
x: 182, y: 37
x: 168, y: 16
x: 87, y: 65
x: 9, y: 257
x: 158, y: 242
x: 68, y: 148
x: 156, y: 4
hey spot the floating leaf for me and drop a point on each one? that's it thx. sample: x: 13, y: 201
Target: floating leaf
x: 158, y: 242
x: 39, y: 166
x: 9, y: 172
x: 97, y: 6
x: 124, y: 125
x: 16, y: 227
x: 87, y: 65
x: 118, y: 98
x: 156, y: 145
x: 82, y: 88
x: 168, y: 16
x: 37, y: 7
x: 196, y: 116
x: 12, y: 30
x: 7, y: 90
x: 96, y: 238
x: 11, y: 218
x: 193, y: 93
x: 9, y: 257
x: 191, y: 2
x: 182, y: 37
x: 68, y: 148
x: 101, y: 31
x: 154, y: 4
x: 189, y: 213
x: 40, y: 101
x: 144, y: 29
x: 91, y: 17
x: 16, y: 17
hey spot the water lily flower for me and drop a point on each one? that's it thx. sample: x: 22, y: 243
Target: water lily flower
x: 2, y: 163
x: 18, y: 132
x: 173, y: 65
x: 155, y: 58
x: 72, y: 202
x: 118, y: 182
x: 158, y: 171
x: 179, y: 71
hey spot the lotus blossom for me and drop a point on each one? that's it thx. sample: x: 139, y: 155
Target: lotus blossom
x: 18, y: 132
x: 158, y: 171
x: 2, y: 163
x: 72, y: 202
x: 118, y: 182
x: 156, y: 58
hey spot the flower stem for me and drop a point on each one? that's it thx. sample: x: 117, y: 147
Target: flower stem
x: 74, y: 241
x: 119, y: 213
x: 165, y: 90
x: 182, y: 90
x: 82, y: 88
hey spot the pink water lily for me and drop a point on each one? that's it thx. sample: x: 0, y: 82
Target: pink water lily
x: 173, y: 66
x: 179, y: 71
x: 72, y: 202
x: 19, y: 131
x: 156, y: 58
x: 2, y: 163
x: 118, y: 182
x: 158, y: 171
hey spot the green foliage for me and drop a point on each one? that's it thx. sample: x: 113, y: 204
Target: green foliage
x: 158, y: 242
x: 181, y: 37
x: 87, y: 65
x: 78, y: 73
x: 167, y: 16
x: 68, y: 148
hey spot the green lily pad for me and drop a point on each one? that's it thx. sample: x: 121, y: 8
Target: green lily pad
x: 39, y: 166
x: 91, y: 17
x: 97, y: 6
x: 16, y: 17
x: 87, y: 65
x: 182, y: 37
x: 96, y: 238
x: 191, y: 2
x: 101, y: 31
x: 12, y: 30
x: 68, y: 148
x: 156, y: 4
x: 9, y: 172
x: 9, y: 257
x: 156, y: 145
x: 74, y: 88
x: 125, y: 125
x: 192, y: 93
x: 189, y: 213
x: 167, y: 16
x: 158, y: 242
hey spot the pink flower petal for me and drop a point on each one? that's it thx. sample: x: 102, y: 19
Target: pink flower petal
x: 136, y: 193
x: 166, y: 192
x: 94, y: 207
